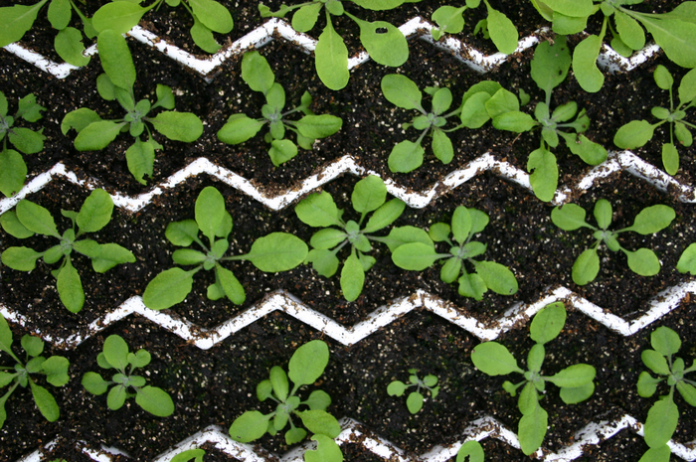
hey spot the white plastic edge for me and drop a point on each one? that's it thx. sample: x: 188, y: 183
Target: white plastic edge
x: 473, y: 58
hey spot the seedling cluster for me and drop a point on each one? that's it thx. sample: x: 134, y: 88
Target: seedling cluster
x: 415, y: 399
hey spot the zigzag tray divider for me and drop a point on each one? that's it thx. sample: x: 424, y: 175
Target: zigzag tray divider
x: 593, y: 433
x: 473, y: 58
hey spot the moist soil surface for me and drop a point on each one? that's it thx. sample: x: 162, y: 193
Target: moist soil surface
x: 216, y: 386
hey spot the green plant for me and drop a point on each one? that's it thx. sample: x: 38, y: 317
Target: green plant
x: 496, y: 26
x: 663, y: 416
x: 13, y: 170
x: 208, y: 16
x: 384, y: 42
x: 401, y: 91
x: 192, y: 454
x: 414, y: 402
x: 687, y: 260
x: 272, y: 253
x: 18, y: 19
x: 638, y: 132
x: 471, y: 449
x: 549, y: 69
x: 239, y: 128
x: 418, y: 254
x: 54, y: 368
x: 576, y: 381
x: 305, y: 367
x: 643, y: 261
x: 115, y: 355
x: 29, y: 219
x: 319, y: 210
x: 94, y: 133
x: 673, y: 31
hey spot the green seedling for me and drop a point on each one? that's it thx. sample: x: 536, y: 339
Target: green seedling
x: 319, y: 210
x: 663, y: 416
x: 471, y: 451
x: 401, y: 91
x: 195, y: 455
x: 549, y: 69
x: 13, y: 170
x: 496, y: 26
x: 418, y: 254
x: 115, y: 355
x: 18, y: 19
x: 687, y: 260
x: 576, y: 382
x: 29, y: 219
x: 54, y: 368
x: 239, y: 128
x: 414, y: 402
x: 384, y: 42
x: 208, y: 16
x: 643, y: 261
x: 94, y: 133
x: 305, y: 367
x: 272, y: 253
x: 673, y: 31
x: 637, y: 133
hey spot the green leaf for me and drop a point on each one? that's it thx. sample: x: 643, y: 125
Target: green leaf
x: 11, y: 224
x: 603, y: 213
x: 492, y: 358
x: 573, y: 376
x: 238, y: 129
x: 585, y: 68
x: 385, y: 215
x: 96, y: 211
x: 318, y: 400
x: 116, y: 397
x: 647, y: 385
x: 186, y: 456
x: 686, y: 263
x: 471, y: 285
x: 13, y: 172
x: 20, y: 258
x: 155, y: 401
x: 277, y: 252
x: 94, y: 383
x: 661, y: 422
x: 306, y: 17
x: 384, y: 42
x: 17, y: 20
x: 321, y: 423
x: 30, y: 111
x: 502, y: 31
x: 6, y: 337
x: 665, y: 341
x: 45, y: 402
x: 687, y: 391
x: 544, y: 173
x: 119, y: 17
x: 569, y: 217
x: 461, y: 224
x: 69, y: 46
x: 634, y: 134
x: 168, y: 288
x: 116, y: 59
x: 56, y: 370
x: 308, y: 362
x: 331, y: 58
x: 677, y: 38
x: 178, y: 126
x: 401, y: 91
x: 449, y: 20
x: 26, y: 141
x: 532, y: 429
x: 279, y: 382
x: 643, y: 262
x: 451, y: 269
x: 116, y: 352
x: 327, y: 450
x: 369, y: 194
x: 586, y: 267
x: 70, y: 288
x: 687, y: 87
x: 590, y: 152
x: 282, y: 151
x: 249, y: 426
x: 415, y: 256
x: 319, y: 126
x: 515, y: 121
x: 231, y: 286
x: 474, y: 113
x: 396, y: 388
x: 568, y: 25
x: 182, y: 233
x: 140, y: 358
x: 471, y: 449
x: 502, y: 101
x: 59, y: 13
x: 684, y: 137
x: 574, y: 8
x: 497, y: 277
x: 327, y: 238
x: 405, y: 157
x: 655, y: 361
x: 32, y: 345
x: 213, y: 15
x: 414, y: 402
x: 79, y: 118
x: 295, y: 435
x: 257, y: 73
x: 548, y: 323
x: 576, y: 395
x: 652, y: 219
x: 352, y: 278
x: 36, y: 218
x: 657, y: 454
x: 210, y: 208
x: 140, y: 158
x: 629, y: 30
x: 98, y: 135
x: 442, y: 146
x: 318, y: 210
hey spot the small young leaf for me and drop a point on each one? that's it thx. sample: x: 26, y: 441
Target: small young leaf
x: 532, y: 429
x: 634, y: 134
x: 548, y: 323
x: 68, y: 44
x: 282, y: 151
x: 384, y: 42
x: 306, y: 17
x: 655, y: 361
x: 585, y: 68
x: 45, y: 402
x: 95, y: 212
x: 59, y: 13
x: 396, y: 388
x: 643, y: 262
x: 474, y: 113
x: 210, y: 208
x: 321, y: 423
x: 94, y: 383
x: 405, y: 157
x: 182, y: 233
x: 665, y: 341
x: 249, y: 426
x: 573, y: 376
x: 13, y: 172
x: 401, y: 91
x: 20, y: 258
x: 327, y: 450
x: 590, y: 152
x: 414, y: 402
x: 168, y: 288
x: 36, y: 218
x: 449, y: 20
x: 515, y: 121
x: 213, y: 15
x: 318, y: 400
x: 331, y: 58
x: 11, y: 224
x: 471, y: 449
x: 352, y: 278
x: 119, y: 17
x: 657, y: 454
x: 279, y: 382
x: 586, y: 267
x: 308, y: 362
x: 415, y: 256
x: 318, y: 210
x: 569, y: 217
x: 503, y: 101
x: 544, y: 173
x: 98, y: 135
x: 653, y: 219
x: 603, y: 213
x: 238, y: 129
x: 497, y: 277
x: 687, y: 87
x: 188, y: 455
x: 369, y: 194
x: 502, y: 31
x: 69, y: 287
x: 630, y: 31
x: 385, y: 215
x: 319, y: 126
x: 676, y: 37
x: 116, y: 58
x: 79, y: 119
x: 231, y: 286
x: 687, y: 261
x: 178, y: 126
x: 687, y: 391
x: 472, y: 285
x: 577, y: 394
x: 492, y: 358
x: 155, y: 401
x: 550, y: 64
x: 661, y: 422
x: 277, y: 252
